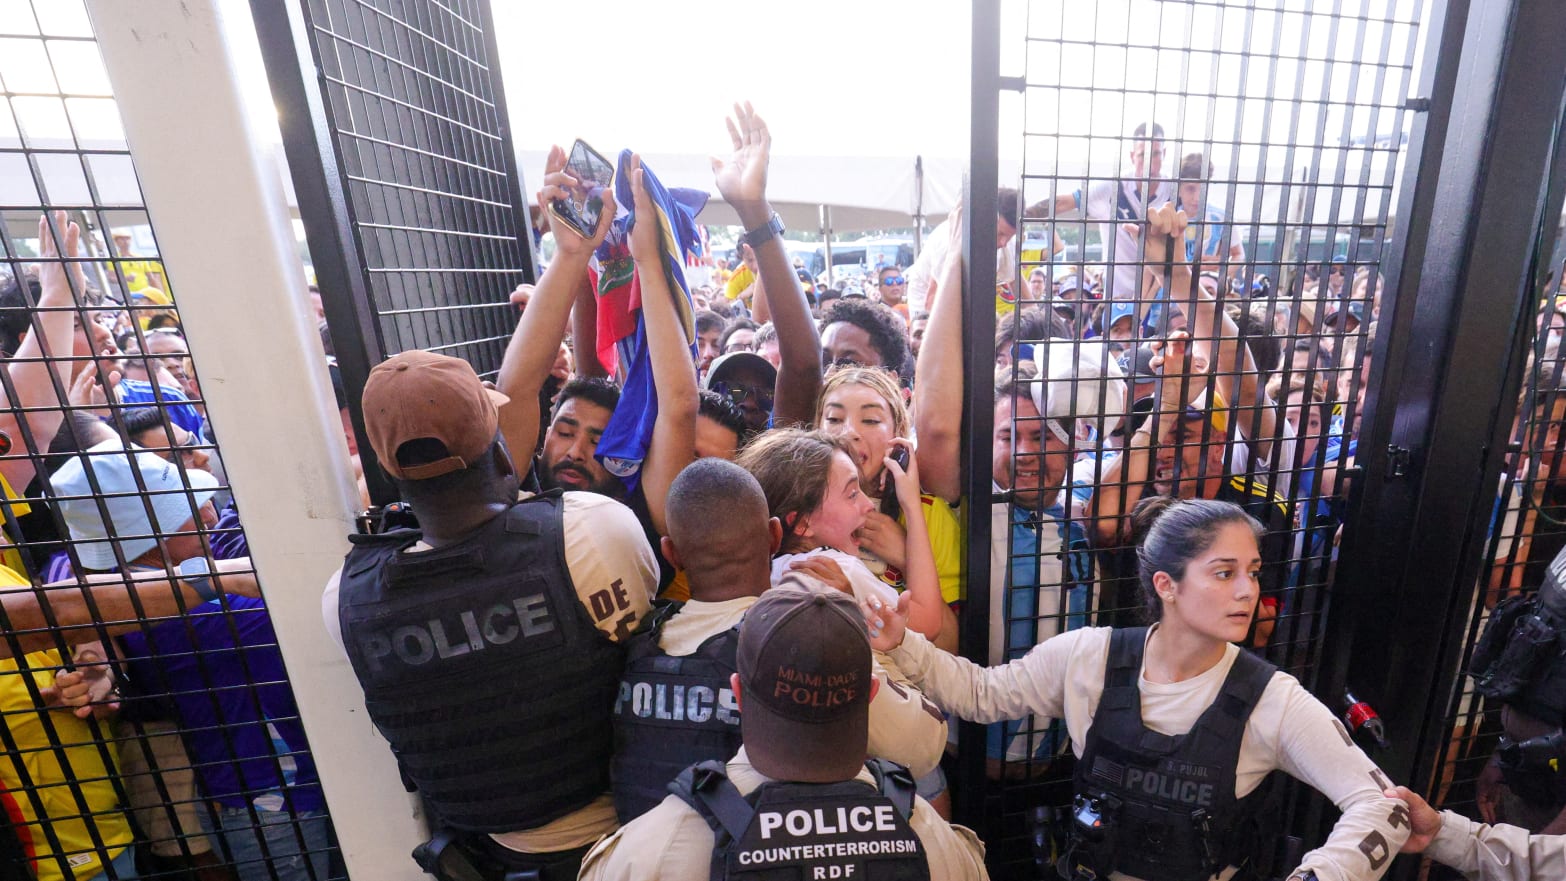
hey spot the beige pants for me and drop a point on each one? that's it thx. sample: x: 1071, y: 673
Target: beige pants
x: 164, y: 822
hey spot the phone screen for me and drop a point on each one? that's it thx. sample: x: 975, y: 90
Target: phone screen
x: 594, y: 174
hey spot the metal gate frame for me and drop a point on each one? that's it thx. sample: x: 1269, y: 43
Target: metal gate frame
x: 312, y: 140
x: 1486, y: 164
x: 1481, y: 195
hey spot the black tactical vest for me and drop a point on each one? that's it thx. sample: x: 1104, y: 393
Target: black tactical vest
x: 1161, y: 807
x: 671, y: 713
x: 803, y: 831
x: 482, y: 669
x: 1519, y: 660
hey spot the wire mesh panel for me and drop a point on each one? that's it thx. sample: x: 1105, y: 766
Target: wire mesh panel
x: 1205, y: 198
x: 146, y: 717
x: 1484, y: 768
x: 419, y: 126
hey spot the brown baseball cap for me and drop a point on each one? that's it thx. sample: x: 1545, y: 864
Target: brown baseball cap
x: 418, y: 394
x: 804, y: 668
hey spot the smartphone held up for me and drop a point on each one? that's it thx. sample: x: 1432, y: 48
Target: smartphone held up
x: 594, y: 174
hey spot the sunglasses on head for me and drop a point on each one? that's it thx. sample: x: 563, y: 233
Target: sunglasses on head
x: 892, y: 280
x: 739, y: 394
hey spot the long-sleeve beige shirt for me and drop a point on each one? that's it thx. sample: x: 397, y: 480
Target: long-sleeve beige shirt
x: 1497, y: 853
x: 1289, y: 730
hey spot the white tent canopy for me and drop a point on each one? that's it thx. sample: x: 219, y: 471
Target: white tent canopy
x: 864, y: 192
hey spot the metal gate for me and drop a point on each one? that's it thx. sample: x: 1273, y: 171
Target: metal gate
x: 395, y: 128
x: 190, y: 755
x: 1307, y: 144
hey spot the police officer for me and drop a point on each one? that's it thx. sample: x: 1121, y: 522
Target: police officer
x: 1175, y: 728
x: 489, y: 640
x: 1519, y: 663
x: 798, y: 799
x: 1486, y: 853
x: 675, y: 707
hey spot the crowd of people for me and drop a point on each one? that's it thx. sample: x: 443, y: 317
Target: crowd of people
x: 682, y: 587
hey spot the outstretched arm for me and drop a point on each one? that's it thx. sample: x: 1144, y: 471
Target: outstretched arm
x: 673, y: 443
x: 1125, y: 480
x: 742, y: 181
x: 121, y: 604
x: 33, y: 378
x: 938, y: 378
x: 536, y: 341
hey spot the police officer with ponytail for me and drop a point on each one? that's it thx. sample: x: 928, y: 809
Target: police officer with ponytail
x: 798, y: 800
x: 1176, y: 730
x: 488, y: 641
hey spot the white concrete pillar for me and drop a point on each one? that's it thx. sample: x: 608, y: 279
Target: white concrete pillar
x: 185, y: 74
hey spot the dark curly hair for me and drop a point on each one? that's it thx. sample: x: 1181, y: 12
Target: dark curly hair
x: 722, y: 411
x: 595, y: 390
x: 888, y: 333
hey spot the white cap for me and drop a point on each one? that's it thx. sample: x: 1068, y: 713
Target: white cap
x: 1079, y: 380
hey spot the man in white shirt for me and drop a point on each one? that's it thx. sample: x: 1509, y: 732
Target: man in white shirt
x: 1112, y: 203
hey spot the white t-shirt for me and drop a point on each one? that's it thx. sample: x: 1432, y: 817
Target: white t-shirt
x: 932, y: 256
x: 604, y: 544
x: 1288, y: 730
x: 1110, y: 204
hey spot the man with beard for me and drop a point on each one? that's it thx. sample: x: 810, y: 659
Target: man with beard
x: 566, y: 460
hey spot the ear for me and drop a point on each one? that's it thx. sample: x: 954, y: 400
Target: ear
x: 739, y: 697
x: 670, y: 552
x: 503, y: 460
x: 1163, y: 584
x: 801, y: 528
x: 774, y: 535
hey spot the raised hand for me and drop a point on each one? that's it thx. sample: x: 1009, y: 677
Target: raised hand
x: 557, y: 181
x: 55, y: 276
x: 647, y: 231
x: 1165, y: 227
x: 742, y: 178
x: 1173, y: 363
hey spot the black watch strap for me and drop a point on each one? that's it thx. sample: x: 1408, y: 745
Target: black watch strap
x: 759, y: 235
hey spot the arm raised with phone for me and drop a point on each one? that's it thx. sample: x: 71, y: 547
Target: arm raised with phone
x: 536, y: 340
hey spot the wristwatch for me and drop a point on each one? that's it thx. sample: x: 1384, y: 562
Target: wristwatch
x: 196, y: 572
x: 759, y: 235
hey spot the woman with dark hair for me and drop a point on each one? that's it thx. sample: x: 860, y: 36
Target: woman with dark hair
x: 1176, y: 730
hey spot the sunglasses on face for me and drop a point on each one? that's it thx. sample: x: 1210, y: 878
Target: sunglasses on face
x: 739, y: 394
x: 892, y: 281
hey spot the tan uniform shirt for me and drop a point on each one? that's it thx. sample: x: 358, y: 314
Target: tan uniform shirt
x: 697, y: 622
x: 604, y: 546
x: 1289, y: 730
x: 905, y: 727
x: 672, y: 841
x: 1497, y: 853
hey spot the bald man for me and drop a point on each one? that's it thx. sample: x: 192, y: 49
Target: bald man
x: 675, y: 707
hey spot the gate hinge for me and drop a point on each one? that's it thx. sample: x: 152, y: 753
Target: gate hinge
x: 1013, y: 84
x: 1418, y: 105
x: 1398, y: 459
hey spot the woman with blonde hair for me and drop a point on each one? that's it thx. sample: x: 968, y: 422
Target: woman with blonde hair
x: 863, y: 407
